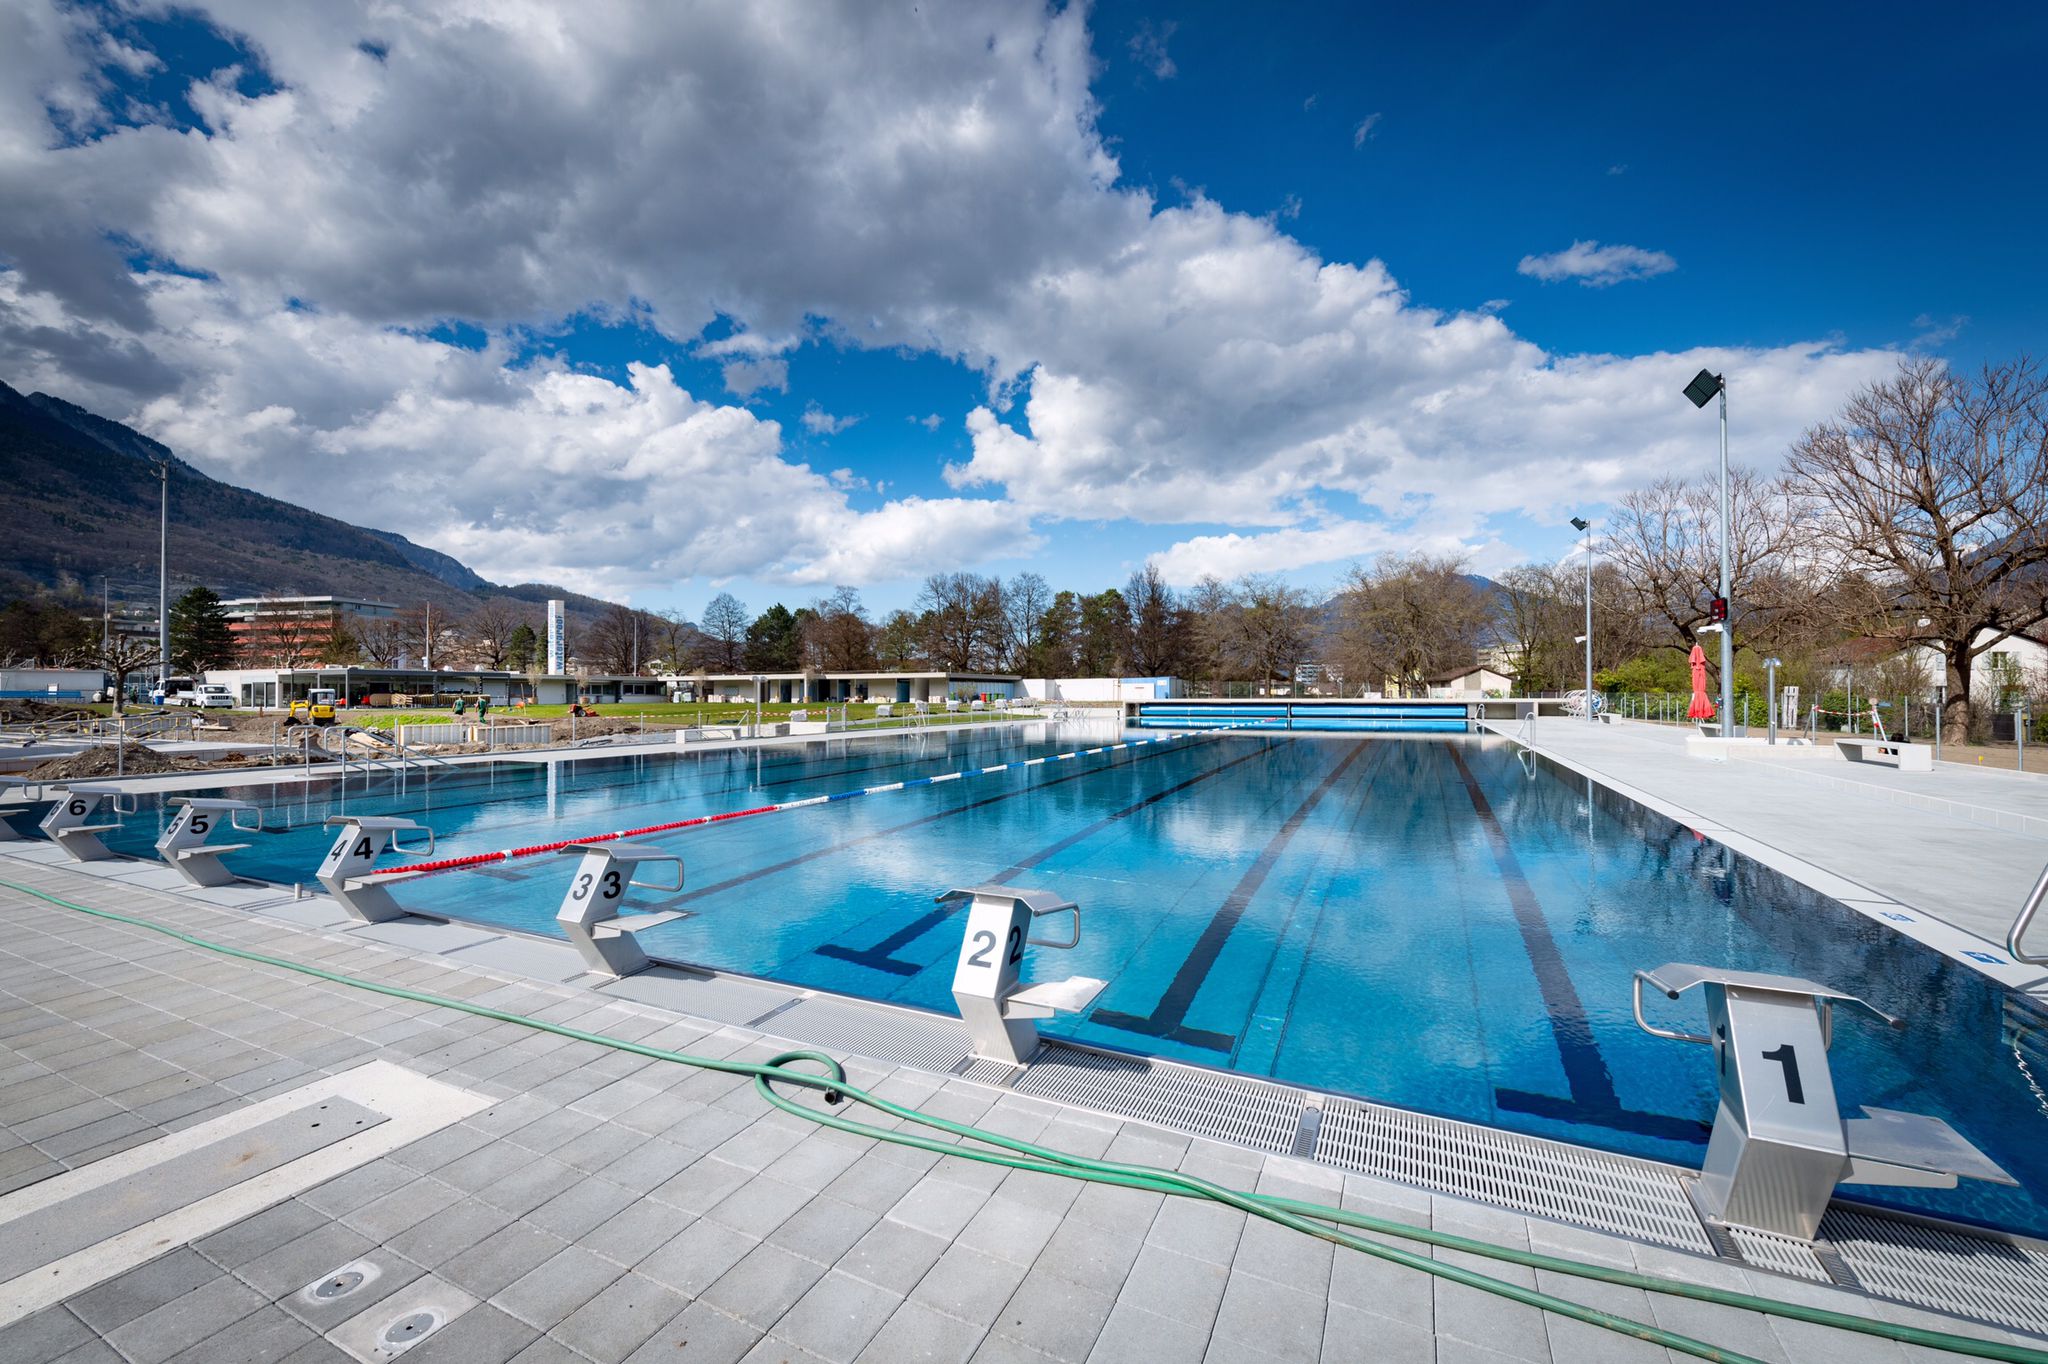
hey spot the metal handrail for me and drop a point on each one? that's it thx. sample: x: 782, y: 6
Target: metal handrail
x: 2025, y: 920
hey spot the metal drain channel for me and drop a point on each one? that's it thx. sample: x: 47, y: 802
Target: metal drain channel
x: 1608, y: 1193
x: 1987, y: 1276
x: 1264, y: 1117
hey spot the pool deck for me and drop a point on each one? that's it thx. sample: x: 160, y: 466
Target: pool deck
x: 570, y: 1202
x: 1958, y: 845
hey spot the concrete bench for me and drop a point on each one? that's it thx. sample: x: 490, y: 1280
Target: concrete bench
x: 1906, y: 757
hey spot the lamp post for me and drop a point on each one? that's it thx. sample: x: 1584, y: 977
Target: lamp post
x: 1587, y: 638
x: 163, y: 585
x: 1705, y: 385
x: 1940, y: 700
x: 1771, y: 666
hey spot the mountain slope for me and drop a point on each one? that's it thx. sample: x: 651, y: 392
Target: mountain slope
x: 81, y: 501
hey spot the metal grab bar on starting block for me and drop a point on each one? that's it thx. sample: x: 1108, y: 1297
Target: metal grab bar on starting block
x: 184, y: 848
x: 1780, y: 1145
x: 590, y: 916
x: 69, y: 823
x: 1000, y: 1012
x: 345, y: 870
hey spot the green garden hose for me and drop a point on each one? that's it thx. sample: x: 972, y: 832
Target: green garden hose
x: 829, y: 1079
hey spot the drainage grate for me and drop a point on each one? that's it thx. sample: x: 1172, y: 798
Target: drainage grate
x: 1524, y: 1174
x: 1781, y: 1254
x: 983, y: 1071
x: 881, y: 1034
x: 1193, y: 1101
x: 1981, y: 1276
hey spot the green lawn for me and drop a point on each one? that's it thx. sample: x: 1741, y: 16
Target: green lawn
x: 660, y: 712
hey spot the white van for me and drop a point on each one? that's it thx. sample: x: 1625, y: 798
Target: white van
x: 206, y: 696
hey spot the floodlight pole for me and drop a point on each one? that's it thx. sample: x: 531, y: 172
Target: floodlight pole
x: 1586, y: 529
x: 1727, y: 632
x: 163, y: 585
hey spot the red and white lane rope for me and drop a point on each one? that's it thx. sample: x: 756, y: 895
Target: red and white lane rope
x: 536, y: 849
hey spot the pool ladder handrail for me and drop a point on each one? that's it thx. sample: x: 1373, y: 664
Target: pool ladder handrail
x: 2025, y: 921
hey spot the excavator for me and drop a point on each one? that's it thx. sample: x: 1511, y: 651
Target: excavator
x: 316, y: 708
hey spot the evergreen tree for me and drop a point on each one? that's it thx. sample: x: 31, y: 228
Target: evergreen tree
x: 774, y: 640
x: 520, y: 647
x: 200, y: 638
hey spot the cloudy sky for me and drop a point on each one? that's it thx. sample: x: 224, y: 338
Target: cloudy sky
x: 658, y: 299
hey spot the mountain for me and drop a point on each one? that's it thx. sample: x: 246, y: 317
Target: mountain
x: 81, y: 503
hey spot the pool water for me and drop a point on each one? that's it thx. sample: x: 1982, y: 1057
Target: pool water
x: 1440, y: 923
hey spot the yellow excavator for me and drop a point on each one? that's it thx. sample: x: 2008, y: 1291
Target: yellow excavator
x: 317, y: 708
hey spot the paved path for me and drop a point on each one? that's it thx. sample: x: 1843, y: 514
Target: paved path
x: 606, y: 1207
x: 1925, y: 839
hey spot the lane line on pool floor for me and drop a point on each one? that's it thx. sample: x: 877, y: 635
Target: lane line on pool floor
x: 1593, y: 1096
x: 881, y: 956
x: 1169, y: 1018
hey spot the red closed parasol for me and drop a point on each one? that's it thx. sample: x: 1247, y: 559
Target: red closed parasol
x: 1701, y: 708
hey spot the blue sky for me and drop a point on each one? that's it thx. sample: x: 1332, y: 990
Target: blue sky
x: 998, y: 287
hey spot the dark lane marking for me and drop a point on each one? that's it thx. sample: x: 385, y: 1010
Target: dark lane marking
x: 773, y: 868
x: 1169, y: 1019
x: 1593, y: 1099
x: 881, y: 956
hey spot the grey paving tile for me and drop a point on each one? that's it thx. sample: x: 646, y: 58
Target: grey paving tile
x: 143, y: 1289
x: 759, y: 1206
x: 505, y: 1255
x: 551, y: 1291
x: 1090, y: 1254
x: 700, y: 1334
x: 697, y: 1257
x: 649, y: 1164
x: 450, y: 1231
x: 635, y: 1231
x: 824, y: 1229
x: 299, y: 1261
x: 1175, y: 1285
x: 1055, y: 1316
x: 348, y: 1192
x: 938, y: 1206
x: 185, y: 1321
x: 547, y: 1350
x: 1010, y: 1228
x: 1387, y: 1290
x: 893, y: 1256
x: 1350, y: 1334
x: 767, y: 1282
x: 1283, y: 1322
x: 918, y: 1333
x: 968, y: 1284
x: 872, y: 1182
x: 1489, y: 1321
x: 43, y: 1335
x: 1134, y: 1336
x: 233, y: 1247
x: 1204, y: 1230
x: 481, y: 1335
x: 262, y: 1337
x: 702, y: 1185
x: 92, y: 1352
x: 837, y: 1317
x: 580, y: 1207
x: 616, y: 1322
x: 384, y: 1217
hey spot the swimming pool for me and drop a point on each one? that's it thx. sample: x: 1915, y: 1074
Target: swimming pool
x: 1435, y: 922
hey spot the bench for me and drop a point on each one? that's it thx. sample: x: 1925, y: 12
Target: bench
x: 1906, y: 757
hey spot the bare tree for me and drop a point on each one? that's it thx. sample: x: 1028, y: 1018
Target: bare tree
x: 965, y: 623
x: 1540, y: 609
x: 1665, y: 540
x: 1025, y: 601
x: 676, y: 643
x: 383, y: 640
x: 837, y: 636
x: 725, y: 623
x: 1158, y: 624
x: 486, y: 633
x: 1936, y: 486
x: 1267, y: 629
x: 897, y: 640
x: 122, y: 656
x: 1410, y: 618
x: 1207, y: 605
x: 612, y: 642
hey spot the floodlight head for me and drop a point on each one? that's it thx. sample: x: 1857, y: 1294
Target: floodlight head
x: 1578, y: 524
x: 1578, y: 639
x: 1709, y: 629
x: 1703, y: 387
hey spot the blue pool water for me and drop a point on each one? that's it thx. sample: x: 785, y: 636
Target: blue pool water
x: 1432, y: 922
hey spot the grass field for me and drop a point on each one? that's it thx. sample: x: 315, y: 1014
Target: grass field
x: 658, y: 713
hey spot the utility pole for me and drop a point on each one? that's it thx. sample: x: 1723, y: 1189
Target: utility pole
x: 106, y: 612
x: 163, y: 585
x: 430, y: 637
x: 1586, y: 528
